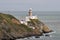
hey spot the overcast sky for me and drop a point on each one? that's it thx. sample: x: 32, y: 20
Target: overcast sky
x: 24, y: 5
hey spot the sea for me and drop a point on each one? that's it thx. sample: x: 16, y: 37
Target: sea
x: 50, y: 18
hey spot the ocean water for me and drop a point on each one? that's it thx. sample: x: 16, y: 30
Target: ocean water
x: 50, y: 18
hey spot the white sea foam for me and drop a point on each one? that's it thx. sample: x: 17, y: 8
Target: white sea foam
x: 50, y: 36
x: 19, y: 39
x: 41, y: 37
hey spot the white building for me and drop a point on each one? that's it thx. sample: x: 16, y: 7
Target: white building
x: 23, y: 22
x: 28, y: 18
x: 31, y: 17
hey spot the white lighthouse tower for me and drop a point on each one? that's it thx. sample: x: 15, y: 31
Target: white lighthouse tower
x: 30, y: 16
x: 30, y: 12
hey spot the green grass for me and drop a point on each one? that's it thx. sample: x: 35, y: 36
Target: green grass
x: 8, y: 23
x: 26, y: 27
x: 8, y: 18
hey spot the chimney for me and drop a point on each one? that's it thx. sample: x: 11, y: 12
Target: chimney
x: 30, y: 12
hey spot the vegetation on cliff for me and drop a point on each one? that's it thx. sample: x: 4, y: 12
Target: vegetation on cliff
x: 11, y: 28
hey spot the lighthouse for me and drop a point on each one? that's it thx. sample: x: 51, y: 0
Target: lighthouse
x: 30, y: 12
x: 27, y: 18
x: 30, y: 16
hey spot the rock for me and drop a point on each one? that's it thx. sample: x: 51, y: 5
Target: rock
x: 37, y: 37
x: 11, y: 28
x: 46, y: 29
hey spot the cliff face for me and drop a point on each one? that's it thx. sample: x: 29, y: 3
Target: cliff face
x: 11, y: 28
x: 39, y: 25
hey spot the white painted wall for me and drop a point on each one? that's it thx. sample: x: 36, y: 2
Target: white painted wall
x: 31, y: 17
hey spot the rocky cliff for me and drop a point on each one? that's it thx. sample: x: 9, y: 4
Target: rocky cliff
x: 11, y: 28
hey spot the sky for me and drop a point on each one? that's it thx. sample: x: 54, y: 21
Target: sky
x: 24, y: 5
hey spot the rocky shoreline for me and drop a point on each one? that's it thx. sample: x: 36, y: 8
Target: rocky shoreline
x: 26, y: 36
x: 33, y: 36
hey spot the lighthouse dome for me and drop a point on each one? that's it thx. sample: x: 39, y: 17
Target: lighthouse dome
x: 30, y: 9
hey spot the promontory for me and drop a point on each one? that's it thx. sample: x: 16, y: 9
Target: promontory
x: 11, y: 28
